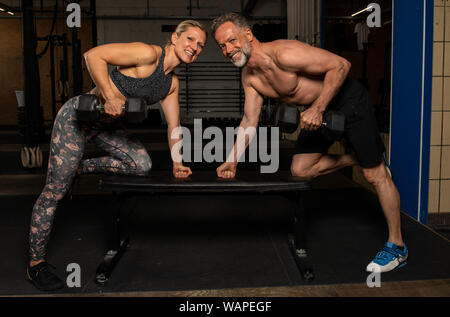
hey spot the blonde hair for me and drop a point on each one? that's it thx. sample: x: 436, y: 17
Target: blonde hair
x: 184, y: 25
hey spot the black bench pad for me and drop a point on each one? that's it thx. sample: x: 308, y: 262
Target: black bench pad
x: 206, y: 181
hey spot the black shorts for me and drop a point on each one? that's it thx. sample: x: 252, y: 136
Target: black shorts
x: 361, y: 129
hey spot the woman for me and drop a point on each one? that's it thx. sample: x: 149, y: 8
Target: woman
x: 143, y: 70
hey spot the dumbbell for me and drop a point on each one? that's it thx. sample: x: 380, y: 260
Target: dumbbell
x: 288, y: 119
x: 89, y: 109
x: 332, y: 126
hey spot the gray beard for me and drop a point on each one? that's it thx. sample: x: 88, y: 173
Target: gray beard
x: 245, y: 55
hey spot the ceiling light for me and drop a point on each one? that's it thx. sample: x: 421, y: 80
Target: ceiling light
x: 368, y: 8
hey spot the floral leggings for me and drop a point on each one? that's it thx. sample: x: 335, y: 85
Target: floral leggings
x: 69, y: 137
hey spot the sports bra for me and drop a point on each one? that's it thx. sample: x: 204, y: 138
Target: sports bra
x: 152, y: 88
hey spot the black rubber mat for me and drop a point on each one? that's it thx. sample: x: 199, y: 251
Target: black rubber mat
x: 217, y: 241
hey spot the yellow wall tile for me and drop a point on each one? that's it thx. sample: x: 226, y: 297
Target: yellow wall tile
x: 445, y: 196
x: 433, y: 196
x: 436, y: 100
x: 438, y: 29
x: 446, y: 98
x: 447, y: 59
x: 438, y: 58
x: 445, y: 163
x: 447, y: 22
x: 435, y: 162
x: 436, y: 127
x: 446, y: 128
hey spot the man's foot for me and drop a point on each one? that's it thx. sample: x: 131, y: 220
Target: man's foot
x: 390, y: 257
x: 43, y: 278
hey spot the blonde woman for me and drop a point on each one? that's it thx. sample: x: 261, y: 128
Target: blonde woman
x: 143, y: 70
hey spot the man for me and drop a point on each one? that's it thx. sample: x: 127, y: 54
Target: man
x: 296, y: 72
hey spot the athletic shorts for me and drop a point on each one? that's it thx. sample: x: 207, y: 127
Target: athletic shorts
x: 361, y: 129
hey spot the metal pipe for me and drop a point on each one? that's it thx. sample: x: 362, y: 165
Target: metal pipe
x: 254, y: 18
x: 93, y: 8
x: 114, y: 17
x: 52, y: 74
x: 33, y: 115
x: 187, y: 87
x: 64, y: 70
x: 77, y: 71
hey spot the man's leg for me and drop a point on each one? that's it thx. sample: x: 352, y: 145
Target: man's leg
x: 394, y: 253
x: 389, y: 200
x: 311, y: 165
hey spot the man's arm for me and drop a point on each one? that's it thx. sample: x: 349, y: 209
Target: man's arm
x: 303, y: 58
x: 249, y: 123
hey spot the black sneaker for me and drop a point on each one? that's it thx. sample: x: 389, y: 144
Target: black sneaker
x: 43, y: 278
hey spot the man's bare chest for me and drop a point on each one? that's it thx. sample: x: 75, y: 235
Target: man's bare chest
x: 276, y: 83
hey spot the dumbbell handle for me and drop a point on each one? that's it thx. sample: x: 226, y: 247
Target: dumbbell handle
x: 323, y: 124
x: 102, y: 107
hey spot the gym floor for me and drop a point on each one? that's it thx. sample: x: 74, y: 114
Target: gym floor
x: 233, y: 246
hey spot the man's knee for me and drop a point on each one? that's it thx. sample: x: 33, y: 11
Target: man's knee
x: 303, y: 166
x: 376, y: 175
x: 302, y: 172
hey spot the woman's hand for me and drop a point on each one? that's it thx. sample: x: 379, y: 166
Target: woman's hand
x: 180, y: 171
x: 114, y: 107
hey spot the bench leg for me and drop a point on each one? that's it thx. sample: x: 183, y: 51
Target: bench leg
x: 119, y: 238
x: 297, y: 239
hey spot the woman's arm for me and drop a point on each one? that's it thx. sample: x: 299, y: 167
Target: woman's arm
x: 171, y: 109
x: 118, y: 54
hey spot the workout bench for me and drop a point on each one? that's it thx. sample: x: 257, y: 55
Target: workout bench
x: 124, y: 188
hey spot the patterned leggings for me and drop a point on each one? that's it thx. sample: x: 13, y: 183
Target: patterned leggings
x: 127, y: 156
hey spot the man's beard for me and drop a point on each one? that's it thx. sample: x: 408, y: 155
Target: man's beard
x: 244, y: 56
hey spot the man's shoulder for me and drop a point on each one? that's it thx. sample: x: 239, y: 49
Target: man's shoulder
x: 279, y: 49
x: 281, y: 45
x: 285, y: 51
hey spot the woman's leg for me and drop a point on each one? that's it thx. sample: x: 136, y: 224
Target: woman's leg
x: 128, y: 155
x: 66, y: 149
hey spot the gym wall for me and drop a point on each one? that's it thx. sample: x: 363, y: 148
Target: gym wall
x: 439, y: 176
x: 11, y: 59
x: 118, y: 21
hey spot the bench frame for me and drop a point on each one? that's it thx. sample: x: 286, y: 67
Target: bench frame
x: 126, y: 190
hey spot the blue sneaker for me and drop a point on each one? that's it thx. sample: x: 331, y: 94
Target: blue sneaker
x: 390, y: 257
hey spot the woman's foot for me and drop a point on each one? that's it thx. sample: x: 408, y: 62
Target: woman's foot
x: 42, y: 277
